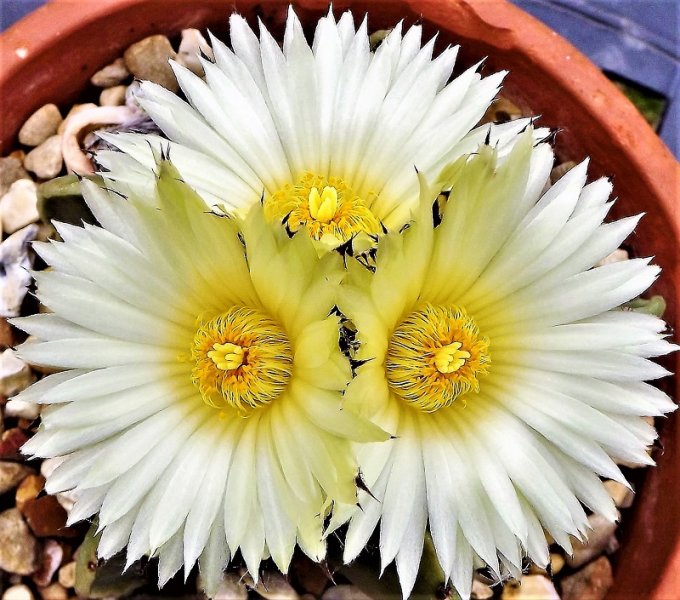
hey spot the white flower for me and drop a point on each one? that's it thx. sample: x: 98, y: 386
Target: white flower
x: 329, y: 134
x: 200, y: 411
x: 499, y: 359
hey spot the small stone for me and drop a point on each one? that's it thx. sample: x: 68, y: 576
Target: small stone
x: 15, y: 374
x: 111, y: 75
x: 192, y: 45
x: 18, y: 547
x: 272, y: 586
x: 42, y: 124
x: 29, y: 489
x: 11, y: 441
x: 7, y: 337
x: 11, y: 475
x: 501, y: 110
x: 623, y: 497
x: 556, y: 563
x: 22, y: 409
x: 598, y: 538
x: 618, y: 255
x: 52, y: 555
x: 344, y: 592
x: 46, y: 517
x: 11, y: 170
x: 613, y: 546
x: 47, y: 160
x: 311, y: 576
x: 18, y: 206
x: 481, y: 591
x: 231, y: 588
x: 54, y: 592
x: 591, y: 582
x: 148, y: 60
x: 113, y: 96
x: 15, y: 262
x: 17, y: 592
x: 561, y: 170
x: 532, y: 587
x: 67, y: 575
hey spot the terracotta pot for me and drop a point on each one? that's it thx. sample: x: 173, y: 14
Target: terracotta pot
x: 49, y: 57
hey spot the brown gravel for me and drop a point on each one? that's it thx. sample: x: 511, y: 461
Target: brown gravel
x: 591, y: 583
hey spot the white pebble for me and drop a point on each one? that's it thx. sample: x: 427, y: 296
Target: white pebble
x: 47, y: 159
x: 15, y: 374
x: 17, y: 592
x: 21, y: 409
x: 18, y: 206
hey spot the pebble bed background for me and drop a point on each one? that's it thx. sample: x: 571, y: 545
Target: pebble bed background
x: 40, y: 557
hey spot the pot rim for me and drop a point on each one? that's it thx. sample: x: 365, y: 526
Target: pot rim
x: 27, y: 43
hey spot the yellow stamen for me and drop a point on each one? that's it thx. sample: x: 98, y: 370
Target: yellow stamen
x: 242, y: 359
x: 450, y: 358
x: 435, y: 356
x: 325, y: 206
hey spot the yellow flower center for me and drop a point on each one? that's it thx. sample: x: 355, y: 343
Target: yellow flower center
x: 435, y: 355
x: 326, y: 207
x: 242, y: 359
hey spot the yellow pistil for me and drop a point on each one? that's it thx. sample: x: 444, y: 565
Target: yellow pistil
x: 436, y: 355
x: 242, y: 359
x: 227, y: 356
x: 450, y: 358
x: 326, y: 207
x: 323, y: 207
